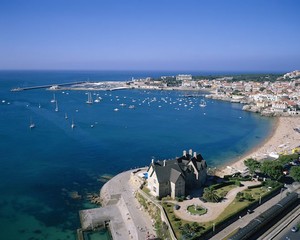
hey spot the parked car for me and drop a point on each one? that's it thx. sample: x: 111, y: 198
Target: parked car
x: 294, y: 229
x: 250, y: 211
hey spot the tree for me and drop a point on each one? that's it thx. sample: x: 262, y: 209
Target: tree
x: 248, y: 197
x: 252, y: 165
x: 186, y: 229
x: 210, y: 194
x: 283, y: 159
x: 240, y: 196
x: 273, y: 169
x: 295, y: 173
x: 195, y: 227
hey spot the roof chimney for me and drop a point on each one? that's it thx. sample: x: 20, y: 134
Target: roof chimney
x: 191, y: 152
x: 195, y: 155
x: 184, y: 153
x: 164, y: 163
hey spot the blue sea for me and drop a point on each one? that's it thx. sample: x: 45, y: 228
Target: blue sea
x: 41, y: 167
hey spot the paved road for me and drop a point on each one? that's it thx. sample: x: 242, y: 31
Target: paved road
x: 287, y: 233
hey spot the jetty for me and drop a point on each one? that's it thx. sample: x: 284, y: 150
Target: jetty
x: 46, y: 86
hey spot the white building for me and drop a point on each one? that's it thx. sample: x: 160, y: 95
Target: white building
x: 184, y: 77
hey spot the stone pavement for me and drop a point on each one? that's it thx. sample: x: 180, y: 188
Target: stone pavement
x: 119, y: 193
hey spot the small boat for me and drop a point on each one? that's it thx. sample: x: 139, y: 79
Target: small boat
x: 116, y: 109
x: 73, y: 125
x: 202, y: 103
x: 40, y: 106
x: 90, y: 100
x: 53, y: 100
x: 131, y: 107
x: 56, y: 106
x: 66, y: 116
x: 31, y: 125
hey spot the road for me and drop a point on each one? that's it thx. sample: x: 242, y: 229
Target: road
x: 287, y: 233
x: 243, y: 221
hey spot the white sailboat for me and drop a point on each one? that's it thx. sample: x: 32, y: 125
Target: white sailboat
x: 56, y: 106
x: 202, y: 103
x: 90, y: 100
x: 66, y: 116
x: 73, y: 124
x: 53, y: 100
x: 31, y: 125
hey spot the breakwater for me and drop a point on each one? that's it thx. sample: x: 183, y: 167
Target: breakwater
x: 45, y: 86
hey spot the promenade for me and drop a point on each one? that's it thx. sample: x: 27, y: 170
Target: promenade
x: 121, y: 209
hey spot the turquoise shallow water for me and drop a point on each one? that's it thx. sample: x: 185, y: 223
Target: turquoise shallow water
x: 40, y: 167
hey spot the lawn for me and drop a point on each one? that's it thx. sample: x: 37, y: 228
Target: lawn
x: 222, y: 192
x: 237, y: 205
x: 197, y: 210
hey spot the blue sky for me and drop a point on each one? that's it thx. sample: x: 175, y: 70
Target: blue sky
x: 211, y: 35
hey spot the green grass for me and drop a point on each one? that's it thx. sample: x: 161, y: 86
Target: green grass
x: 177, y: 223
x: 197, y: 210
x: 222, y: 192
x: 233, y: 208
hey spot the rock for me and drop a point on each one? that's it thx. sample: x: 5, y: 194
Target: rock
x: 75, y: 195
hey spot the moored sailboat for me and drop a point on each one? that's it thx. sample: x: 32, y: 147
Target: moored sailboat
x: 53, y: 100
x: 73, y: 124
x: 56, y: 106
x: 31, y: 125
x: 90, y: 100
x: 202, y: 103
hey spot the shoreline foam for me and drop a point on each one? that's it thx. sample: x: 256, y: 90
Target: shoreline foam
x: 283, y: 138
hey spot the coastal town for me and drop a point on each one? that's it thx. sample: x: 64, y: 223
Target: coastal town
x: 270, y: 98
x: 264, y: 94
x: 182, y: 198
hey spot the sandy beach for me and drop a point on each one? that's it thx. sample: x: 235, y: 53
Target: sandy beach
x: 282, y: 140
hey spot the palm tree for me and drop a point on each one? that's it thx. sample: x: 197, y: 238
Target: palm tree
x: 210, y: 194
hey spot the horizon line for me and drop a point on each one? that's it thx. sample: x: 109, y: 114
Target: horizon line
x: 158, y: 70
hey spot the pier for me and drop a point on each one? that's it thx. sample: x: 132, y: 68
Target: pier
x: 45, y: 86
